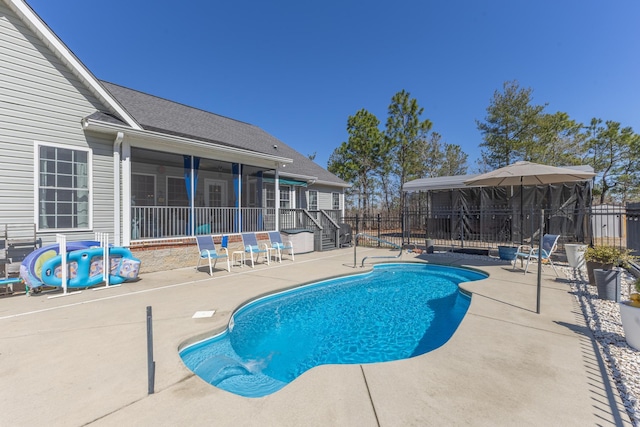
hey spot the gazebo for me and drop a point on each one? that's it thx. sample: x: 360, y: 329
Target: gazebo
x: 455, y: 210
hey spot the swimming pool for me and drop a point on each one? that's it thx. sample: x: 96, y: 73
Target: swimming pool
x: 394, y: 312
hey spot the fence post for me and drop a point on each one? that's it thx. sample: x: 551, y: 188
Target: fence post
x: 357, y: 224
x: 379, y: 219
x: 461, y: 227
x: 151, y: 364
x: 402, y: 224
x: 539, y: 282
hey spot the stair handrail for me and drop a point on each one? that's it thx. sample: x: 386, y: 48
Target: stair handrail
x: 334, y: 227
x: 355, y: 246
x: 313, y: 220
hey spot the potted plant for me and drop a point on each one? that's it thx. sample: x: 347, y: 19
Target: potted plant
x: 605, y: 257
x: 630, y: 315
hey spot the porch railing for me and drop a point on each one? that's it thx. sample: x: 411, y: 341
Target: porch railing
x: 153, y: 222
x: 162, y: 222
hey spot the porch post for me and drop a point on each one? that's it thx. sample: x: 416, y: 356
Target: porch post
x: 192, y: 202
x: 237, y: 191
x: 259, y: 203
x: 276, y: 183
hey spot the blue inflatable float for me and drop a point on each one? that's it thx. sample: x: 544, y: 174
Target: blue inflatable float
x: 84, y: 265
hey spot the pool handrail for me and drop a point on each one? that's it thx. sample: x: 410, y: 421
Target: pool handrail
x: 355, y: 246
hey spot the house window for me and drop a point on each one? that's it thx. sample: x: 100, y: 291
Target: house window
x: 143, y: 190
x: 313, y: 200
x: 64, y: 188
x: 177, y: 192
x: 270, y: 196
x: 335, y: 198
x: 285, y: 197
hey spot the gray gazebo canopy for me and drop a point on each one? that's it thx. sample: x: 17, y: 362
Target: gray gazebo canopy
x: 567, y: 202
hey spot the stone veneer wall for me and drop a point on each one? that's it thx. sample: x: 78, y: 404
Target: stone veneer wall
x: 165, y: 256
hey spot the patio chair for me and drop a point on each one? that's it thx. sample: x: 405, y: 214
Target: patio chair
x: 207, y: 249
x: 251, y: 247
x: 279, y: 245
x: 528, y: 252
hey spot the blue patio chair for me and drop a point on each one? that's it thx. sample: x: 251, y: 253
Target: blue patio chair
x: 279, y: 245
x: 251, y: 247
x: 528, y: 252
x: 207, y: 249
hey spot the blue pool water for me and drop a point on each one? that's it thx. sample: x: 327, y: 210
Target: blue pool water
x: 394, y: 312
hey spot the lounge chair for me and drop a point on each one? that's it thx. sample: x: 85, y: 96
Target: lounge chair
x: 279, y: 245
x: 207, y: 249
x: 528, y: 252
x: 252, y: 247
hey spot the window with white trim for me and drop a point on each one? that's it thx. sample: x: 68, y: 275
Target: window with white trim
x: 335, y: 199
x: 270, y: 195
x: 313, y: 200
x: 64, y: 187
x: 285, y: 197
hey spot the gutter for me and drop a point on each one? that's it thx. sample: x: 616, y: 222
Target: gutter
x: 157, y: 140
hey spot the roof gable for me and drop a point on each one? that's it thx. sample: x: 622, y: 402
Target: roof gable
x: 64, y: 54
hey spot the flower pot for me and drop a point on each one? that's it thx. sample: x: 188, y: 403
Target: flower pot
x: 507, y: 253
x: 429, y: 245
x: 575, y: 254
x: 608, y: 283
x: 592, y: 265
x: 630, y: 323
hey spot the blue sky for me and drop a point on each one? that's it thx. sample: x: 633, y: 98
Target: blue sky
x: 298, y: 69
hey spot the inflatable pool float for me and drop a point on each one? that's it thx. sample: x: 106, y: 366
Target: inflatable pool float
x: 31, y: 266
x: 85, y: 267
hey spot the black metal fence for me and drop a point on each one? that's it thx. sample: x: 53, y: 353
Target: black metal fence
x: 486, y: 229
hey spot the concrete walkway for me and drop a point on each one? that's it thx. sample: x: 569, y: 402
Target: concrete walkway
x: 81, y: 359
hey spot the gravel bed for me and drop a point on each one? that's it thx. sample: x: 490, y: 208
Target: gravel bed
x: 603, y: 318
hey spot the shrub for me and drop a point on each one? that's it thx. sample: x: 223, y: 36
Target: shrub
x: 605, y: 254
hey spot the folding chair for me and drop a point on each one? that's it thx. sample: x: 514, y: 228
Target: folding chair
x: 251, y: 247
x: 549, y: 245
x: 279, y: 245
x: 207, y: 249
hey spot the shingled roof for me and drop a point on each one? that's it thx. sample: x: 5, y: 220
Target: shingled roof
x: 161, y: 115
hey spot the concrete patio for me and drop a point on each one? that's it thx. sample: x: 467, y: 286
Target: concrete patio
x: 81, y: 359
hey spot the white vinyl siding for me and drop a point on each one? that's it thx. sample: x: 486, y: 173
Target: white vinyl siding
x: 42, y: 100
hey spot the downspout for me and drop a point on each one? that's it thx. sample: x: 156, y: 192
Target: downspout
x: 117, y: 233
x: 126, y: 195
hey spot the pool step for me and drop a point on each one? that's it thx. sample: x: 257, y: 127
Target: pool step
x: 219, y: 368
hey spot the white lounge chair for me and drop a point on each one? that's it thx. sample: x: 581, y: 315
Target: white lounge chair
x: 528, y: 252
x: 207, y: 249
x: 279, y: 245
x: 252, y: 247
